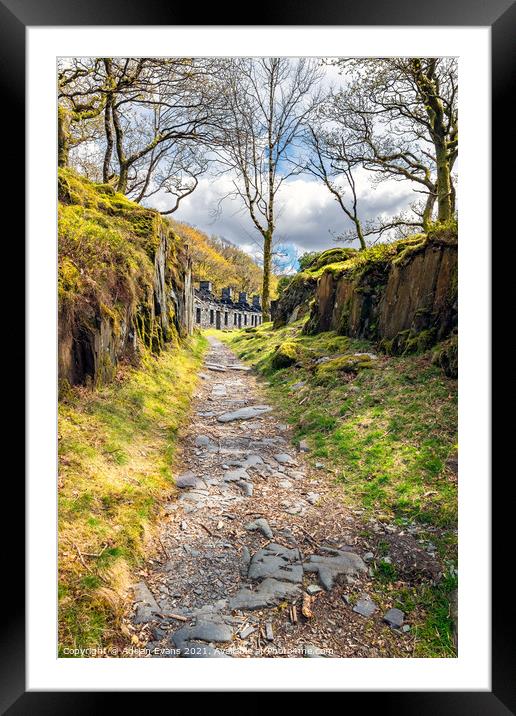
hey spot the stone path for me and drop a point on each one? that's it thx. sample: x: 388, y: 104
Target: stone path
x: 239, y: 572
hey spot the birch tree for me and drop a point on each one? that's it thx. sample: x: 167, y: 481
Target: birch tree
x: 268, y: 100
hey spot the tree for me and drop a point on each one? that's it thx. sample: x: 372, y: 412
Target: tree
x: 400, y: 119
x: 156, y: 117
x: 80, y: 99
x: 329, y: 160
x: 267, y: 101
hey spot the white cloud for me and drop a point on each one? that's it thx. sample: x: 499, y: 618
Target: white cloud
x: 308, y: 217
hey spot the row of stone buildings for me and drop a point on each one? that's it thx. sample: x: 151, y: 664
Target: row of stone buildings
x: 226, y: 313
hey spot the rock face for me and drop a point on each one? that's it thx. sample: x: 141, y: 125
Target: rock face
x: 404, y: 296
x: 294, y: 302
x: 144, y: 296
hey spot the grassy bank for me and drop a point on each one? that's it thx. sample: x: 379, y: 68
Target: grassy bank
x: 116, y: 449
x: 386, y: 427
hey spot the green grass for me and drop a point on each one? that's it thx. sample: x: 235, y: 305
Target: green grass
x: 116, y: 452
x: 385, y: 427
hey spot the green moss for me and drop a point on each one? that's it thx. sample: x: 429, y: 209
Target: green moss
x: 107, y: 251
x: 409, y: 341
x: 331, y: 256
x: 285, y: 355
x: 375, y: 257
x: 446, y: 356
x: 350, y: 364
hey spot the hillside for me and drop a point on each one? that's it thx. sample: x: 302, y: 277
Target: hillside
x: 221, y: 262
x: 127, y: 369
x: 400, y: 295
x: 124, y: 280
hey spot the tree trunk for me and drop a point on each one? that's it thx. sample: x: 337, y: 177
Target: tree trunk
x: 360, y: 235
x: 444, y: 198
x: 122, y: 178
x: 106, y: 168
x: 267, y: 264
x: 108, y: 127
x: 63, y: 137
x: 429, y: 210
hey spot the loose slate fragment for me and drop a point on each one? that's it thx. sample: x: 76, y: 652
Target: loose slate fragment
x: 365, y: 607
x: 253, y: 411
x: 330, y: 568
x: 394, y: 618
x: 262, y: 525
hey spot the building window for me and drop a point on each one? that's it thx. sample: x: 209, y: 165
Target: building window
x: 211, y: 316
x: 198, y: 315
x: 235, y: 318
x: 240, y: 320
x: 245, y: 319
x: 226, y: 318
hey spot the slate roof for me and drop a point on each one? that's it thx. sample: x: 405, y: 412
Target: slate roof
x: 207, y: 296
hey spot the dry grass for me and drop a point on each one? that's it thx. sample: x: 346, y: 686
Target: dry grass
x: 116, y: 451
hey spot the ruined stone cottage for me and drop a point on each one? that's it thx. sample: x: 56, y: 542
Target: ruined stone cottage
x: 228, y: 312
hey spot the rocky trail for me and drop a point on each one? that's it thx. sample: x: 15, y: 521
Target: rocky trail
x: 257, y: 556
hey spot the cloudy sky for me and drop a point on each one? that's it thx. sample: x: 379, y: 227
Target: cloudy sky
x: 308, y: 217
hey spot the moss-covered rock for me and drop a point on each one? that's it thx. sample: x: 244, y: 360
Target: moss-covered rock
x: 294, y: 302
x: 446, y: 355
x: 402, y: 294
x: 330, y: 256
x: 350, y: 363
x: 409, y: 341
x: 123, y: 280
x: 286, y: 354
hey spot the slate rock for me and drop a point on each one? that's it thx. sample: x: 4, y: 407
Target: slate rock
x: 216, y: 367
x: 246, y: 487
x: 276, y: 562
x: 284, y: 459
x: 313, y: 589
x: 394, y: 618
x: 285, y: 484
x: 248, y: 413
x: 203, y: 441
x: 268, y: 593
x: 246, y: 631
x: 303, y: 446
x: 365, y: 607
x: 146, y: 605
x: 330, y: 568
x: 262, y: 525
x: 189, y: 479
x: 236, y: 475
x: 252, y: 461
x: 209, y: 631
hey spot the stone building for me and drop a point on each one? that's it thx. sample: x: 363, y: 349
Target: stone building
x: 227, y: 312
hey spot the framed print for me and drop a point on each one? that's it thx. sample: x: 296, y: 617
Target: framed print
x: 258, y: 303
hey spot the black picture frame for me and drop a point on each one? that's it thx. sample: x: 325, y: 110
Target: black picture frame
x: 500, y: 16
